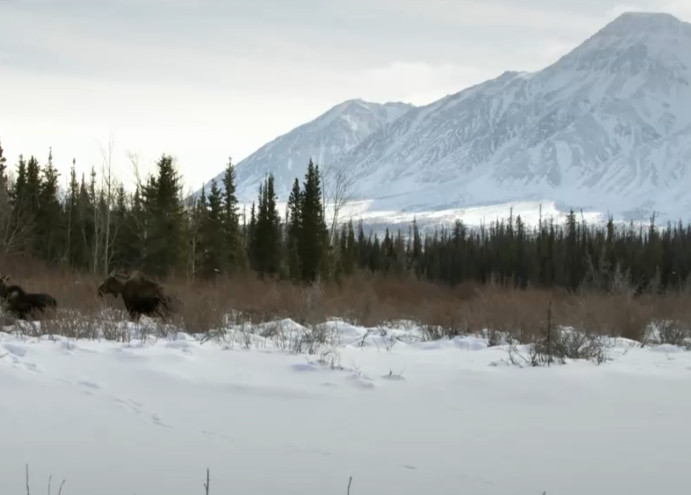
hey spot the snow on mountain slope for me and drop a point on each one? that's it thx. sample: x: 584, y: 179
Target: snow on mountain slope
x: 606, y: 127
x: 324, y: 140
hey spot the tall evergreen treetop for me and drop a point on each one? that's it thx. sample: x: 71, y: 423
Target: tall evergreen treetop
x: 236, y: 258
x: 3, y: 168
x: 313, y: 235
x: 4, y: 181
x: 164, y: 218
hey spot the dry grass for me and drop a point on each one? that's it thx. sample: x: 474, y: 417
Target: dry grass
x: 364, y: 300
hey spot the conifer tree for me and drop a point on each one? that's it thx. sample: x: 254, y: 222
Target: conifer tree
x: 5, y: 204
x: 49, y: 215
x: 312, y: 245
x: 251, y: 235
x: 125, y: 243
x: 70, y: 210
x: 23, y: 196
x: 18, y: 191
x: 212, y: 236
x: 7, y: 225
x: 163, y: 220
x: 293, y: 231
x: 415, y: 255
x: 198, y: 221
x: 83, y: 222
x: 235, y: 253
x: 267, y: 231
x: 32, y: 190
x: 4, y: 181
x: 350, y: 255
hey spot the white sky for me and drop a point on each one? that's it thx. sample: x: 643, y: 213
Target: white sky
x: 207, y: 79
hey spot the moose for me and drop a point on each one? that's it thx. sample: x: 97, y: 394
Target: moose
x: 22, y: 304
x: 141, y: 295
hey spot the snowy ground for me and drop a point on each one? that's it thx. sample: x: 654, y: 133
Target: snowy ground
x: 376, y: 217
x: 429, y: 221
x: 400, y: 416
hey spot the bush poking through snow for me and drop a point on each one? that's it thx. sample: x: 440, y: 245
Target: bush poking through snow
x: 311, y: 342
x: 556, y: 345
x: 568, y: 344
x: 672, y: 332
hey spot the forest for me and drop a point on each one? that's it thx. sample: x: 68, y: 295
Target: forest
x: 96, y: 226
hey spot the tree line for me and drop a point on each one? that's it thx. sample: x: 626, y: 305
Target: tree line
x: 96, y: 225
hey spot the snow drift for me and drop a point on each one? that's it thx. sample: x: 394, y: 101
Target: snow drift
x: 398, y: 414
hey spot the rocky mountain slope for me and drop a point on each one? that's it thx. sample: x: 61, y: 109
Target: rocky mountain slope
x: 608, y: 127
x: 325, y: 139
x: 605, y: 128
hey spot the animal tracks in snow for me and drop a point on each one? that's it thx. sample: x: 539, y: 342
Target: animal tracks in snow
x: 157, y: 421
x: 129, y: 405
x: 16, y: 354
x: 351, y: 376
x: 89, y: 385
x: 15, y: 350
x: 137, y: 408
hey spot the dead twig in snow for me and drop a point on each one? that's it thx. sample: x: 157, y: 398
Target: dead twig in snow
x: 206, y: 485
x: 349, y: 482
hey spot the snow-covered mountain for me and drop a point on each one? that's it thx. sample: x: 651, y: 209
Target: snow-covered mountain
x: 324, y: 140
x: 607, y: 127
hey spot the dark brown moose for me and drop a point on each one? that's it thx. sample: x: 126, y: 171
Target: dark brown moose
x: 141, y: 295
x: 23, y: 304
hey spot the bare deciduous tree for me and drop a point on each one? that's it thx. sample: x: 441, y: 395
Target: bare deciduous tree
x: 338, y: 191
x: 108, y: 185
x: 15, y: 231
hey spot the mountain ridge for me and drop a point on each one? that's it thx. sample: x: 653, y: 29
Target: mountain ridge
x: 606, y: 127
x: 322, y: 139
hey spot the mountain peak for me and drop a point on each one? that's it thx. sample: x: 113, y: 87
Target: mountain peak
x: 634, y: 43
x: 648, y: 26
x: 323, y: 140
x: 635, y: 22
x: 607, y: 127
x: 359, y: 103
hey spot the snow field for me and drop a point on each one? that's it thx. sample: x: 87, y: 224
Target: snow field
x: 399, y: 414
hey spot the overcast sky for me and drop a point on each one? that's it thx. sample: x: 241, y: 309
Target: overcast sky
x: 207, y: 79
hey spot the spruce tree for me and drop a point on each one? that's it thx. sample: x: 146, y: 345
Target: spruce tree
x: 6, y: 220
x: 4, y: 181
x: 212, y: 236
x: 70, y: 210
x: 17, y: 193
x: 31, y: 190
x: 83, y: 223
x: 164, y: 220
x: 351, y: 253
x: 234, y: 250
x: 198, y: 221
x: 125, y: 243
x: 267, y: 234
x: 293, y: 231
x: 49, y: 233
x: 24, y: 196
x: 415, y: 255
x: 251, y: 236
x: 312, y: 246
x: 4, y: 190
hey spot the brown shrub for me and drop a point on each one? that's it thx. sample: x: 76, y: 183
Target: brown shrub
x: 364, y: 299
